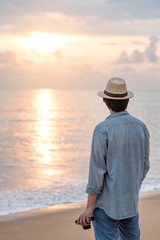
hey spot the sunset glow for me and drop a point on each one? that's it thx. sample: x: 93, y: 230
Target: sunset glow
x: 45, y: 42
x: 79, y: 45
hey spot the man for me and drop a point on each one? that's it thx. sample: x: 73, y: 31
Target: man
x: 118, y: 164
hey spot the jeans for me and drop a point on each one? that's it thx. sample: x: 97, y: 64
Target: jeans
x: 106, y: 228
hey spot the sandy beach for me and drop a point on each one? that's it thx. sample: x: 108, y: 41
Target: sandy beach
x: 57, y: 222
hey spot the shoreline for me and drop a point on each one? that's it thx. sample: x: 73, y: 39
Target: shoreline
x: 63, y: 207
x: 57, y: 221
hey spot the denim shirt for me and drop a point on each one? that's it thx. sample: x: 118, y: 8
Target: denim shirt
x: 118, y: 164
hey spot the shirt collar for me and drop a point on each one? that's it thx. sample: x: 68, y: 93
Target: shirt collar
x: 117, y: 114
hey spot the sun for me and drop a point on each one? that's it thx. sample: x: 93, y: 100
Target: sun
x: 45, y: 42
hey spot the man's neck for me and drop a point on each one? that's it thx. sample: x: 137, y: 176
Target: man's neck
x: 111, y: 111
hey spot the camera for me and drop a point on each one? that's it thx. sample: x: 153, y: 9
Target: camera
x: 89, y: 224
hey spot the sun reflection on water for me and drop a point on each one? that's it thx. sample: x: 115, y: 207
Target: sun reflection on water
x: 51, y: 172
x: 45, y: 130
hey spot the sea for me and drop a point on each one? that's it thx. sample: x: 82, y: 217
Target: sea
x: 45, y: 142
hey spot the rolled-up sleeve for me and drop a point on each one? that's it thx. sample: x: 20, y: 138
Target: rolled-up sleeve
x: 97, y: 168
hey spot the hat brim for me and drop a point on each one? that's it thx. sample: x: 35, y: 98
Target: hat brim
x: 103, y: 95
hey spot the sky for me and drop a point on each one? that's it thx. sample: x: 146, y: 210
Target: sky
x: 79, y: 44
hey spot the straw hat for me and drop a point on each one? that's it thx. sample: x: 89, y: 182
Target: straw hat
x: 116, y: 89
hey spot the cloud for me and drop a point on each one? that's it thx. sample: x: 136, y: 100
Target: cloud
x: 105, y: 17
x: 137, y: 56
x: 123, y: 58
x: 112, y: 10
x: 49, y: 75
x: 151, y: 50
x: 73, y: 74
x: 137, y: 42
x: 136, y: 9
x: 150, y: 53
x: 58, y: 55
x: 7, y: 58
x: 59, y: 23
x: 6, y: 28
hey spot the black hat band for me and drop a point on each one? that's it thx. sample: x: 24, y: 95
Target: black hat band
x: 115, y: 95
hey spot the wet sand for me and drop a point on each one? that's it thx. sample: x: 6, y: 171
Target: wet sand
x: 57, y: 222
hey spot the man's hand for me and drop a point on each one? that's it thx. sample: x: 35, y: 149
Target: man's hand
x: 83, y: 219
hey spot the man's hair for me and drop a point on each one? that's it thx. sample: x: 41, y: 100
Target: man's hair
x: 116, y: 105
